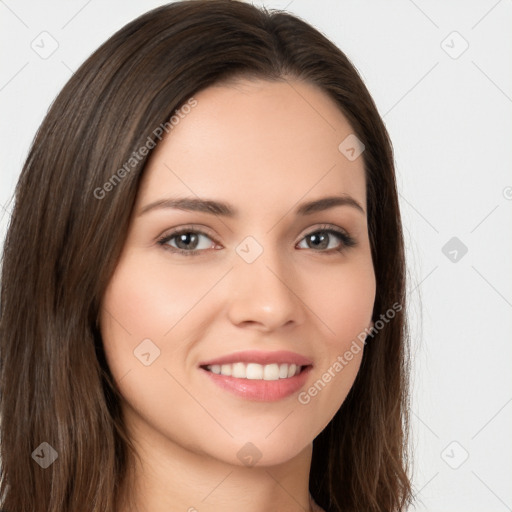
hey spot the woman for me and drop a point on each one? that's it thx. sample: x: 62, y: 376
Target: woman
x: 203, y: 283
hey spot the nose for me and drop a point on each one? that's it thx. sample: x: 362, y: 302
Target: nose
x: 265, y: 294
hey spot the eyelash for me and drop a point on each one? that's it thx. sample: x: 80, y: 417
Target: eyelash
x: 346, y: 239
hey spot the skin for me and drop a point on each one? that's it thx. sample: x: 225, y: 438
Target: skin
x: 264, y: 147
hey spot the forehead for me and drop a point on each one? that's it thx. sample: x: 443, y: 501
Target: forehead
x: 256, y: 139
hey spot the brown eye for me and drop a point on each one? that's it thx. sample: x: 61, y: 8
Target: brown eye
x: 185, y: 241
x: 322, y: 238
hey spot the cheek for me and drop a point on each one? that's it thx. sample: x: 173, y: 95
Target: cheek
x: 148, y: 310
x: 144, y: 300
x: 137, y: 306
x: 344, y: 306
x: 343, y: 302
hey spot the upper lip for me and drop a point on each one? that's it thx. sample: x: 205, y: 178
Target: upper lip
x: 255, y: 356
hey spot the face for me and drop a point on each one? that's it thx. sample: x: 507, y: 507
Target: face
x: 258, y: 289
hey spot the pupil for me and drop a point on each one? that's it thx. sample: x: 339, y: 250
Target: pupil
x: 184, y: 237
x: 318, y: 240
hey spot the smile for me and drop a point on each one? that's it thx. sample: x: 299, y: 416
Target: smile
x: 255, y: 371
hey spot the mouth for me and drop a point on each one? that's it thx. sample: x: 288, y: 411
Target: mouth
x: 255, y: 382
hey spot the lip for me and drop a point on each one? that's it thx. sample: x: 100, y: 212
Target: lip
x: 255, y: 389
x: 259, y: 390
x: 256, y: 356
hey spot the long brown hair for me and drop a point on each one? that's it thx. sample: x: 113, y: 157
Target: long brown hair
x: 65, y: 238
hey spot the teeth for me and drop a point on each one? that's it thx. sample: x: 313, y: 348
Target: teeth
x: 271, y: 372
x: 226, y: 369
x: 254, y: 371
x: 238, y: 371
x: 283, y: 371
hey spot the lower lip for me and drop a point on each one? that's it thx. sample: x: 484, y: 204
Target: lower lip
x: 260, y: 390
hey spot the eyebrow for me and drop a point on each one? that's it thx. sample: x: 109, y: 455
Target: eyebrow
x: 226, y: 210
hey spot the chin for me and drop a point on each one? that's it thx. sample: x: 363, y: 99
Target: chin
x: 261, y: 452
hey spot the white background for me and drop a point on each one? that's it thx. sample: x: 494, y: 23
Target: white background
x: 451, y: 125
